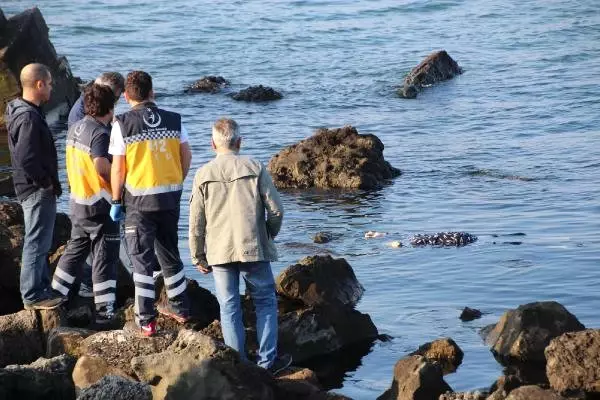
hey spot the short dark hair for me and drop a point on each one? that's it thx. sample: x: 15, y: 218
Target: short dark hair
x: 98, y: 100
x: 138, y: 85
x: 112, y: 79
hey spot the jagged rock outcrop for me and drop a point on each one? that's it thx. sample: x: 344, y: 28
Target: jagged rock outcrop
x: 573, y: 362
x: 521, y: 335
x: 66, y: 340
x: 444, y: 352
x: 532, y: 392
x: 333, y: 158
x: 23, y: 335
x: 320, y: 280
x: 258, y: 93
x: 208, y: 84
x: 116, y: 388
x: 24, y: 39
x: 436, y: 67
x: 416, y: 378
x: 41, y: 380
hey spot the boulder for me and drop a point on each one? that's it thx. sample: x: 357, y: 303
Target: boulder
x: 533, y: 392
x: 43, y: 379
x: 444, y: 352
x: 470, y: 314
x: 320, y: 280
x: 322, y: 237
x: 454, y: 239
x: 204, y: 306
x: 89, y: 370
x: 116, y: 388
x: 321, y: 330
x: 119, y: 347
x: 436, y: 67
x: 333, y: 158
x: 521, y: 335
x: 7, y: 187
x: 66, y: 340
x: 24, y: 40
x: 208, y: 84
x: 415, y: 378
x: 257, y: 94
x: 503, y: 386
x: 23, y: 335
x: 12, y: 231
x: 573, y: 362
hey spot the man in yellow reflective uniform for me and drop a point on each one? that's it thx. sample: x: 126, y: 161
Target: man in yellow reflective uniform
x: 88, y: 170
x: 151, y: 158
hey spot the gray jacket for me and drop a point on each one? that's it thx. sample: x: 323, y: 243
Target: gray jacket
x: 230, y: 196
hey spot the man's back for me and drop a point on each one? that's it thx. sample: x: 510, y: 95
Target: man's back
x: 236, y: 190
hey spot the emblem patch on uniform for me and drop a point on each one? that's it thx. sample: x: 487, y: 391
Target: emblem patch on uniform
x: 78, y: 129
x: 151, y: 118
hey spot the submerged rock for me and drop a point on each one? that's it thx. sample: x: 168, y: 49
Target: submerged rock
x: 573, y: 362
x: 436, y: 67
x: 208, y: 84
x: 257, y: 94
x: 457, y: 239
x: 333, y: 158
x: 322, y: 237
x: 470, y: 314
x: 521, y: 335
x: 320, y: 280
x: 416, y: 378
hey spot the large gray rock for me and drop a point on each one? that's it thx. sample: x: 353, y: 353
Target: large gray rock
x: 116, y: 388
x: 573, y: 362
x: 333, y: 158
x: 415, y: 378
x: 24, y: 39
x: 521, y: 335
x: 321, y: 330
x: 66, y: 340
x: 444, y: 352
x: 533, y: 392
x: 436, y: 67
x: 320, y: 280
x: 119, y: 347
x: 44, y: 379
x: 23, y: 335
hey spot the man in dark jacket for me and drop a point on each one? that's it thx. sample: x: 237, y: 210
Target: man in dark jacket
x: 35, y: 176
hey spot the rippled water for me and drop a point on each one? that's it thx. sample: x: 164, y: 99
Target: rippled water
x: 511, y: 146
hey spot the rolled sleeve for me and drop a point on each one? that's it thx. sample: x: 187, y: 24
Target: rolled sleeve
x: 117, y: 144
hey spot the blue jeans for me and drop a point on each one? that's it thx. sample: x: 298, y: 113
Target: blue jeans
x: 261, y: 285
x: 39, y: 213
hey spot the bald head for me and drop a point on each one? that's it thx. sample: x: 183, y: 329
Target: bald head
x: 33, y: 73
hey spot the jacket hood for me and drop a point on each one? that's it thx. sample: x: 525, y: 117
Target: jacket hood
x: 16, y: 108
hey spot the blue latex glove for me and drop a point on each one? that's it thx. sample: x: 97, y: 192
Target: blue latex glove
x: 116, y: 212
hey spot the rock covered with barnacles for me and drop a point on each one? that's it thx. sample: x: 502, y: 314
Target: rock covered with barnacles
x: 208, y: 84
x: 443, y: 239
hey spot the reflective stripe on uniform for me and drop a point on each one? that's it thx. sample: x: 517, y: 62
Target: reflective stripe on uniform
x: 144, y: 292
x: 175, y: 278
x: 102, y: 194
x: 105, y: 298
x: 153, y: 190
x: 176, y: 291
x: 143, y: 278
x: 105, y: 285
x: 64, y: 276
x: 59, y: 287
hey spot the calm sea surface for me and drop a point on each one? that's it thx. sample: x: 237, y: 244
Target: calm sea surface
x: 511, y: 146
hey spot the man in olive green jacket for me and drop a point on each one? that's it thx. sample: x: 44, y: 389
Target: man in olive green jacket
x: 235, y: 212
